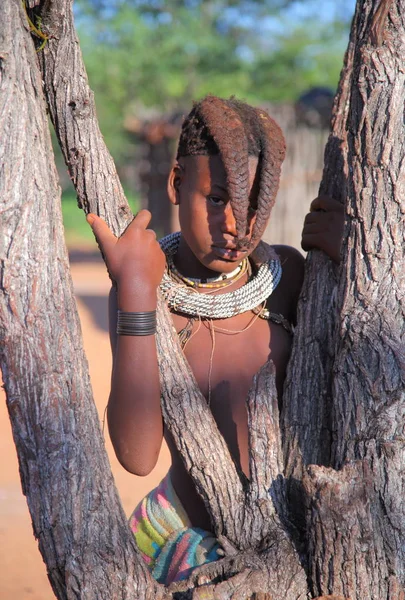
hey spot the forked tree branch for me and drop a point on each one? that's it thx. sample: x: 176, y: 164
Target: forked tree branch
x: 344, y: 398
x: 190, y: 420
x: 73, y: 114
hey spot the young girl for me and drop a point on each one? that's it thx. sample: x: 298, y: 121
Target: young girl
x: 219, y: 280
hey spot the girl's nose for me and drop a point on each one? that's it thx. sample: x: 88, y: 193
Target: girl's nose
x: 229, y: 223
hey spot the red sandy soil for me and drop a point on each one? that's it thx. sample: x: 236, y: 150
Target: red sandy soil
x: 22, y: 571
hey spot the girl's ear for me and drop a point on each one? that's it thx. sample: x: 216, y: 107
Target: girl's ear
x: 174, y: 183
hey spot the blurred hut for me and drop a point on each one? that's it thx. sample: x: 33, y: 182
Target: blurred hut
x: 301, y: 172
x: 156, y: 138
x: 313, y: 108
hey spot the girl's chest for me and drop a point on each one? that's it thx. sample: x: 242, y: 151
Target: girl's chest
x: 224, y: 355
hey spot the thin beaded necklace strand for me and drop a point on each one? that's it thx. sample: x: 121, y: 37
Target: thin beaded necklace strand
x: 185, y: 334
x: 214, y: 283
x: 213, y: 329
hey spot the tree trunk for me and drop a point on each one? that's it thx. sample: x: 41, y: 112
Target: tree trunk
x: 76, y: 513
x: 343, y: 403
x: 353, y: 423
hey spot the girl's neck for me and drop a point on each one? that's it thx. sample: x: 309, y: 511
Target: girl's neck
x: 189, y: 265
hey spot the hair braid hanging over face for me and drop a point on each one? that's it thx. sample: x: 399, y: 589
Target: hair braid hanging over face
x: 273, y: 153
x: 236, y: 130
x: 226, y: 128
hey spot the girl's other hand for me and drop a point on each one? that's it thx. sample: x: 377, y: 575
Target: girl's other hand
x: 323, y: 227
x: 136, y: 257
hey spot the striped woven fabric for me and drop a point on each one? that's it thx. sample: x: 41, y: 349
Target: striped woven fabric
x: 169, y: 544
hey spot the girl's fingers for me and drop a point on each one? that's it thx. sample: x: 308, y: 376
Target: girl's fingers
x: 312, y: 218
x: 319, y: 217
x: 314, y: 228
x: 310, y: 241
x: 326, y: 203
x: 142, y: 219
x: 104, y: 236
x: 307, y: 242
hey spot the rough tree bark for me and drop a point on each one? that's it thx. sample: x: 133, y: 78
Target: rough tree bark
x: 344, y: 398
x: 65, y: 472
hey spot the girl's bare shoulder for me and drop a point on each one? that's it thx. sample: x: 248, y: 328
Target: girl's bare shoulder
x: 291, y: 259
x: 293, y: 264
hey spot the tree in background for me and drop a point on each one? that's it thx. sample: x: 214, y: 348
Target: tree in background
x: 145, y: 58
x: 147, y: 62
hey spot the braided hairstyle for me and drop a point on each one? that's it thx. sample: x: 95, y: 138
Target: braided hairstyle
x: 236, y: 130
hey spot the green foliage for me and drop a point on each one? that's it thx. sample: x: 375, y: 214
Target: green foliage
x: 152, y: 56
x: 145, y: 57
x: 310, y: 55
x: 160, y: 55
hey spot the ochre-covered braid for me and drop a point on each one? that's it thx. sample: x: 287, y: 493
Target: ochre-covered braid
x: 273, y: 153
x: 236, y: 130
x: 226, y: 127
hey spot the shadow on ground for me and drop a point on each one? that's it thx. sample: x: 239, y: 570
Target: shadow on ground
x: 98, y: 306
x: 95, y: 302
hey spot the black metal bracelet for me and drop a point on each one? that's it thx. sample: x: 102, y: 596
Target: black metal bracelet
x: 136, y: 323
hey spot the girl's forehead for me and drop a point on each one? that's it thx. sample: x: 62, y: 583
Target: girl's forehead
x: 204, y: 166
x: 211, y: 169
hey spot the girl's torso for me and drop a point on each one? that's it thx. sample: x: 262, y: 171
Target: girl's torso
x: 224, y: 374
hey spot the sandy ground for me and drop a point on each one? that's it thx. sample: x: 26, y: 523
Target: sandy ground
x: 22, y: 571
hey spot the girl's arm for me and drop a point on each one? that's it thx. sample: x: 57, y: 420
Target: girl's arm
x: 136, y: 263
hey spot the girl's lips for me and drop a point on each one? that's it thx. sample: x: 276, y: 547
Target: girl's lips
x: 229, y: 253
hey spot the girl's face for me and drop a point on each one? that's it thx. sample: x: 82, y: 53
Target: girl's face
x: 208, y: 243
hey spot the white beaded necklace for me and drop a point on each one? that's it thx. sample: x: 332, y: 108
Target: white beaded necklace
x: 187, y: 300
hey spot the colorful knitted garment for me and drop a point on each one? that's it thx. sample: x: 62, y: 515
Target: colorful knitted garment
x: 169, y: 544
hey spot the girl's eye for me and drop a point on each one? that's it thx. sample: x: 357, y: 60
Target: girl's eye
x: 216, y: 201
